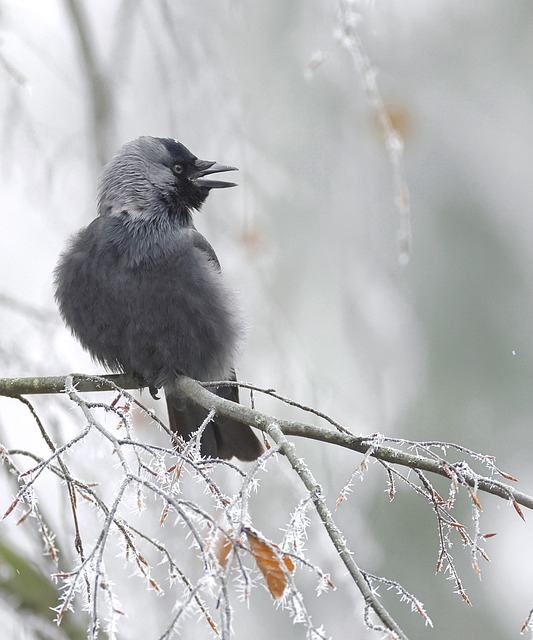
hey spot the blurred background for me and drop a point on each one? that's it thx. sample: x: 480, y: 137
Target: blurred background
x: 439, y: 348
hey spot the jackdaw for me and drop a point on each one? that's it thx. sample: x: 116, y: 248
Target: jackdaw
x: 142, y: 290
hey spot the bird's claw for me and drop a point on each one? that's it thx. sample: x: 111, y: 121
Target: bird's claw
x: 153, y: 392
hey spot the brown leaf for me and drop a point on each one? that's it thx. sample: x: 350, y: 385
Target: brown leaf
x: 154, y: 584
x: 484, y: 555
x: 23, y: 517
x: 141, y: 559
x: 269, y: 564
x: 251, y: 239
x: 476, y: 501
x: 288, y: 563
x: 439, y: 561
x: 399, y: 118
x: 222, y: 548
x: 526, y: 624
x: 508, y: 476
x: 10, y: 508
x: 154, y: 473
x: 463, y: 536
x: 164, y: 515
x: 517, y: 509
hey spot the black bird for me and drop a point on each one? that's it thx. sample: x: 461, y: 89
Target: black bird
x: 142, y: 289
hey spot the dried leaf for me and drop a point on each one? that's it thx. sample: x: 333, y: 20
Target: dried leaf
x: 164, y: 515
x: 10, y: 508
x: 87, y: 497
x: 154, y: 585
x: 211, y: 623
x: 269, y: 564
x: 52, y: 552
x: 141, y: 559
x: 222, y: 549
x: 463, y: 536
x: 517, y: 509
x: 453, y: 477
x: 489, y: 535
x: 288, y: 563
x: 23, y: 517
x: 484, y: 555
x: 476, y: 501
x: 421, y: 611
x: 466, y: 598
x: 527, y: 623
x: 61, y: 613
x: 439, y: 561
x: 154, y: 473
x: 508, y: 476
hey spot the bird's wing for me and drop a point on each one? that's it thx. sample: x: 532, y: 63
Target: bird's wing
x: 199, y: 242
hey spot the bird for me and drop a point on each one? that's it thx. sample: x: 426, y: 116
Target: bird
x: 143, y: 292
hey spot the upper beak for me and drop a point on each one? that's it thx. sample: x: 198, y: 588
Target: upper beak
x: 205, y: 168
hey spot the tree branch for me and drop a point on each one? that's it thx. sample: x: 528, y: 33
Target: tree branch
x: 13, y: 387
x: 99, y: 94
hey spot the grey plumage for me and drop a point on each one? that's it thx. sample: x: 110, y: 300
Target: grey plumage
x: 142, y: 290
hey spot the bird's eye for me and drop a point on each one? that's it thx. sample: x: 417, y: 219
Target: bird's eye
x: 177, y: 169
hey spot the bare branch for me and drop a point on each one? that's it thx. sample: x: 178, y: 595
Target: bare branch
x: 100, y: 96
x: 14, y: 387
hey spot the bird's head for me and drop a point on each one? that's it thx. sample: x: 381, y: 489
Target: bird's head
x: 157, y: 177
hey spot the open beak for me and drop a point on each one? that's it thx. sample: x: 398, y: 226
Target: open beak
x: 207, y: 167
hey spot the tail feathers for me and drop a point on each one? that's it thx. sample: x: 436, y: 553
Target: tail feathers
x: 223, y: 437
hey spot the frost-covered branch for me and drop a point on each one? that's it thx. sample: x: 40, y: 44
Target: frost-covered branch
x: 432, y: 462
x: 229, y: 548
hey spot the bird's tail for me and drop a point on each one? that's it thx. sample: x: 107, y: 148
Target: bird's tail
x: 223, y: 437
